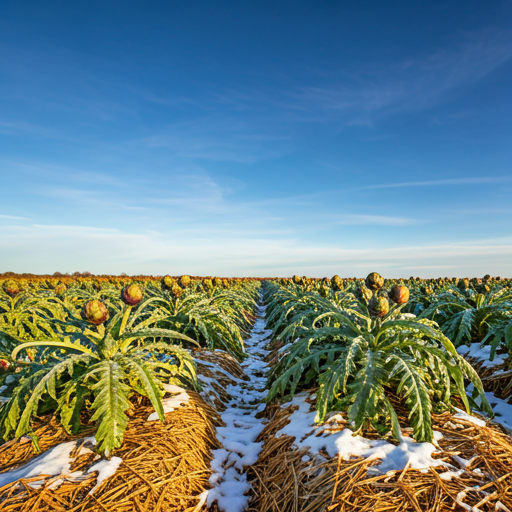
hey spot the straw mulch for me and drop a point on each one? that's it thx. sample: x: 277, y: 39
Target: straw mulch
x: 283, y: 481
x: 499, y: 383
x: 220, y: 380
x: 165, y: 467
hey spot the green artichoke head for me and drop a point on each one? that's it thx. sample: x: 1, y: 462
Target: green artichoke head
x: 399, y: 294
x: 131, y: 295
x: 60, y: 289
x: 95, y: 312
x: 167, y: 282
x: 374, y: 281
x: 11, y: 287
x: 184, y: 281
x: 378, y: 306
x: 337, y: 283
x: 176, y: 291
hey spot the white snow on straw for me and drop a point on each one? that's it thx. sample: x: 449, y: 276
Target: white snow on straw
x: 53, y: 462
x: 239, y: 448
x: 481, y: 353
x: 392, y: 457
x: 501, y: 408
x: 465, y: 416
x: 173, y: 402
x: 105, y: 469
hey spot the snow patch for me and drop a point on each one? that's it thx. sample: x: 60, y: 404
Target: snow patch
x: 238, y: 437
x: 105, y: 469
x: 393, y: 457
x: 53, y: 462
x: 481, y: 353
x: 501, y: 408
x: 173, y: 402
x: 448, y: 475
x: 465, y: 416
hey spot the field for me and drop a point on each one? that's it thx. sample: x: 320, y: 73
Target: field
x: 187, y: 393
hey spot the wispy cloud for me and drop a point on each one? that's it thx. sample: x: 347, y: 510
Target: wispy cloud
x: 13, y: 217
x: 68, y: 248
x: 411, y: 85
x: 454, y: 181
x: 372, y: 220
x: 220, y: 138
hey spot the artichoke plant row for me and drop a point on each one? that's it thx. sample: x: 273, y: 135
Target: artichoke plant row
x: 85, y: 351
x: 467, y: 310
x: 372, y: 344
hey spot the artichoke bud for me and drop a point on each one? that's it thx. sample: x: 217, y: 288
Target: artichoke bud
x: 363, y: 293
x: 60, y: 289
x: 167, y: 282
x: 399, y: 294
x: 11, y: 287
x: 337, y: 283
x: 378, y: 306
x: 95, y: 312
x: 184, y: 281
x: 374, y: 281
x: 176, y: 291
x: 131, y: 295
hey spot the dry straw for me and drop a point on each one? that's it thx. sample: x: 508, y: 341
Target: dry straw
x: 283, y: 481
x: 165, y: 467
x: 219, y: 379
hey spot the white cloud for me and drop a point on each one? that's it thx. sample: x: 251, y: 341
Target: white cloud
x: 13, y: 217
x: 454, y: 181
x: 50, y: 248
x: 374, y: 220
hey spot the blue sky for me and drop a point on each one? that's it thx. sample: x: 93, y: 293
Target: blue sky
x: 256, y: 138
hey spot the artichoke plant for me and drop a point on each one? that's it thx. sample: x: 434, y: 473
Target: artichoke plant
x: 358, y: 359
x: 467, y: 317
x: 96, y: 370
x: 500, y: 334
